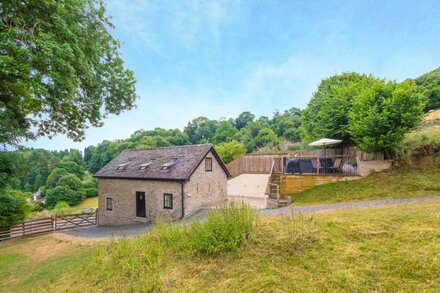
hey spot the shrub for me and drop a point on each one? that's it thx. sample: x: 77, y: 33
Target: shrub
x: 63, y: 193
x: 418, y: 143
x: 61, y: 208
x: 224, y: 230
x: 229, y: 151
x: 90, y: 183
x: 55, y: 176
x: 90, y: 192
x: 266, y: 137
x: 38, y: 207
x: 13, y: 208
x: 71, y: 181
x: 72, y: 168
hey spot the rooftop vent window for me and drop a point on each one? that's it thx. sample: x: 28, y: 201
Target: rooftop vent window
x: 170, y: 163
x: 147, y: 164
x: 121, y: 167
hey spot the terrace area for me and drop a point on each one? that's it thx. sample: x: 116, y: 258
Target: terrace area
x: 297, y: 170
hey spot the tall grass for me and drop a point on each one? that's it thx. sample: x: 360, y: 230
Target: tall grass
x: 224, y: 230
x: 296, y: 234
x: 135, y: 264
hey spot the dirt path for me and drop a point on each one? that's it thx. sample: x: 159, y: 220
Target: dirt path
x: 134, y: 230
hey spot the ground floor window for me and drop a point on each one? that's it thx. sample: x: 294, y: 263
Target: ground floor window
x: 167, y: 201
x: 109, y: 204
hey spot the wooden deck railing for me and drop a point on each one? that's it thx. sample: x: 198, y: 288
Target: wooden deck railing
x: 262, y: 164
x: 271, y: 176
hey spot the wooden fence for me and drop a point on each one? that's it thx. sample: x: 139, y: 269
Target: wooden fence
x: 47, y: 225
x: 261, y: 164
x: 253, y: 164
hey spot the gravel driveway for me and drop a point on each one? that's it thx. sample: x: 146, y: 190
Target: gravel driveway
x: 344, y: 206
x: 108, y: 231
x: 137, y: 229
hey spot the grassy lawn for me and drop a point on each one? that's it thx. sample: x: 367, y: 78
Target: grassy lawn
x: 376, y: 249
x: 88, y: 203
x: 37, y: 263
x: 390, y: 184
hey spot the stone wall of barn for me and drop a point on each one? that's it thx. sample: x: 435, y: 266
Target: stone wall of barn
x: 123, y: 193
x: 205, y: 188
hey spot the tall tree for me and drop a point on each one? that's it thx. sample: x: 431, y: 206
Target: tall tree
x: 224, y: 132
x: 243, y: 119
x: 287, y: 124
x: 201, y: 129
x: 383, y: 113
x: 60, y: 69
x: 326, y: 113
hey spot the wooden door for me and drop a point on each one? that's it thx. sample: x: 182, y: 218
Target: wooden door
x: 140, y: 204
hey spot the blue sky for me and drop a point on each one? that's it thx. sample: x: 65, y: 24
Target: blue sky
x: 220, y: 58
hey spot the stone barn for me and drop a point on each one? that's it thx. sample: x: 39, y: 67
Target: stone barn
x: 140, y: 185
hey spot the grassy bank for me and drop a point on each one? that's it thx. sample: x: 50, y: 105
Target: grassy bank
x: 390, y: 184
x: 88, y: 203
x: 377, y: 249
x: 37, y: 263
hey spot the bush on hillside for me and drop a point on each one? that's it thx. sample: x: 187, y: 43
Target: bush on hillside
x: 90, y: 182
x: 72, y: 168
x: 13, y: 208
x: 61, y: 208
x: 64, y: 193
x: 229, y: 151
x: 418, y: 143
x: 266, y: 137
x: 423, y: 141
x: 429, y: 83
x: 55, y: 176
x: 71, y: 181
x: 91, y: 192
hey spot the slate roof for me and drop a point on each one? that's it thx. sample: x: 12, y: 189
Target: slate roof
x: 130, y: 161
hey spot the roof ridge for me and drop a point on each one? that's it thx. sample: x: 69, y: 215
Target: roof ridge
x: 170, y: 147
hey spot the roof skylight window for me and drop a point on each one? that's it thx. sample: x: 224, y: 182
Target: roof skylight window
x: 170, y: 163
x: 121, y: 167
x: 145, y: 166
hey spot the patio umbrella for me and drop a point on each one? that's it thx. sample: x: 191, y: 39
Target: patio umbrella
x: 324, y: 142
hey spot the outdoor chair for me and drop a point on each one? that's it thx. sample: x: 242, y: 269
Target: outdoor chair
x: 336, y: 165
x: 316, y: 164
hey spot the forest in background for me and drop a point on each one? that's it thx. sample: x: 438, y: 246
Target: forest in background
x: 39, y: 168
x: 340, y: 108
x: 62, y: 72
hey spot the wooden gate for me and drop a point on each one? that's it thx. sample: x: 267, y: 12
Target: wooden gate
x: 47, y: 225
x: 75, y: 221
